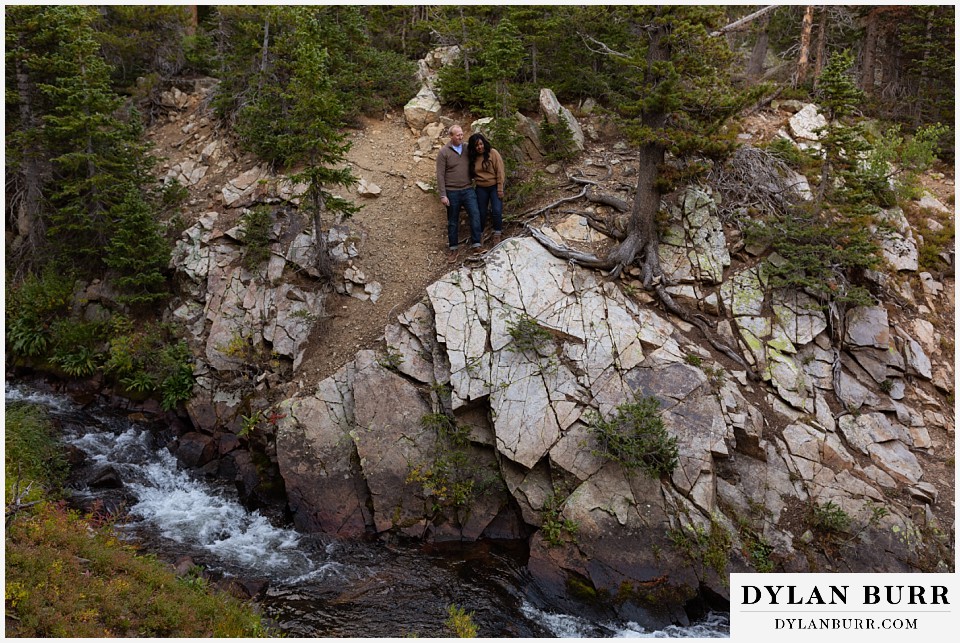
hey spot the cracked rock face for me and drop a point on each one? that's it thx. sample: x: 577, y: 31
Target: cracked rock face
x: 527, y: 349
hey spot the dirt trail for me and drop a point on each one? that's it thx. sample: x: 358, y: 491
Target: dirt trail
x: 403, y: 247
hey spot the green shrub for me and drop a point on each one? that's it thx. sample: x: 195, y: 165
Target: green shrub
x: 76, y: 346
x: 710, y: 548
x: 32, y: 307
x: 522, y: 194
x: 554, y: 528
x: 636, y: 437
x: 451, y: 479
x: 527, y: 334
x: 934, y: 242
x: 557, y: 141
x: 759, y: 552
x: 32, y: 450
x: 460, y: 622
x: 150, y: 360
x: 830, y: 518
x: 257, y: 228
x: 789, y: 153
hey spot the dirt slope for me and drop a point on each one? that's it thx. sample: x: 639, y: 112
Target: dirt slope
x: 404, y: 244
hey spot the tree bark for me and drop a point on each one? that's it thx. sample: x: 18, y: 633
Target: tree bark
x: 803, y: 61
x: 193, y: 21
x: 868, y: 62
x: 759, y: 53
x: 463, y: 45
x: 821, y: 47
x: 924, y: 74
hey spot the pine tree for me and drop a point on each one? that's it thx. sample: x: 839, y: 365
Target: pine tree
x: 674, y: 94
x: 78, y: 128
x: 314, y: 136
x: 827, y: 245
x: 137, y: 252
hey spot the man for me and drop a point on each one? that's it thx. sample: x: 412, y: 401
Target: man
x: 453, y: 184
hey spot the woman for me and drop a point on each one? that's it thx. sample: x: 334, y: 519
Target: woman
x: 486, y: 169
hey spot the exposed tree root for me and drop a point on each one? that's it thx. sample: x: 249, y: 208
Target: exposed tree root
x: 653, y: 278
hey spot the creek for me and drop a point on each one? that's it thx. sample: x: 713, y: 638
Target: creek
x: 317, y: 586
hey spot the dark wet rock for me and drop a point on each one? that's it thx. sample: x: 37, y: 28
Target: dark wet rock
x: 106, y: 478
x: 196, y: 449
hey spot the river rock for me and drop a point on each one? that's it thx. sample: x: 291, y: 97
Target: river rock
x: 317, y: 459
x: 196, y: 449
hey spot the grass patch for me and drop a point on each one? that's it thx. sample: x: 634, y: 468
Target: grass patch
x: 32, y: 452
x: 65, y: 577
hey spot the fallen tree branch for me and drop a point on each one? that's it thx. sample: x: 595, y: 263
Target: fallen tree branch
x: 563, y: 252
x: 742, y: 22
x: 604, y: 49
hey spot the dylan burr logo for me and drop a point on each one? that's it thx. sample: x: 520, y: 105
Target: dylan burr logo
x: 841, y: 607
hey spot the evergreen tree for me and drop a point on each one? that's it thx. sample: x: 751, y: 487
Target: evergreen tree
x: 827, y: 246
x: 674, y: 92
x: 313, y: 136
x: 143, y: 40
x: 255, y: 49
x: 138, y: 252
x: 77, y: 127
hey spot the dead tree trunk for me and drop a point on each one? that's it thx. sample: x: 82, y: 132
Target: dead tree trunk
x: 803, y: 61
x: 25, y: 205
x: 759, y: 53
x: 821, y: 47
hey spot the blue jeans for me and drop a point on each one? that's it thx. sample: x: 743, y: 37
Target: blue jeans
x: 485, y: 196
x: 467, y: 199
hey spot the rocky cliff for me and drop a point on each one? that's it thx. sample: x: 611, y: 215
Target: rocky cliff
x: 471, y: 416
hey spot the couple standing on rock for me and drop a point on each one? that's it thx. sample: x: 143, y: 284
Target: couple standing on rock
x: 471, y: 178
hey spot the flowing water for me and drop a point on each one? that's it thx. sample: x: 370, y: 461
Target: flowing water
x: 317, y: 586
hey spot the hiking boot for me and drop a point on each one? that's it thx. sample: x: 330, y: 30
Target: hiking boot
x: 476, y: 246
x: 453, y: 254
x: 497, y: 237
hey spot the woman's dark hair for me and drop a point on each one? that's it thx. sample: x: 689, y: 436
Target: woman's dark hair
x: 472, y: 152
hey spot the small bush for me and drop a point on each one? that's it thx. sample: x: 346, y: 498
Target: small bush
x: 76, y: 346
x: 830, y: 518
x: 522, y: 194
x: 460, y: 622
x: 32, y: 308
x: 636, y: 438
x: 557, y: 141
x: 711, y: 548
x: 789, y: 153
x: 759, y: 552
x: 257, y: 226
x: 150, y: 360
x: 555, y: 529
x: 527, y: 334
x: 32, y: 450
x: 451, y: 479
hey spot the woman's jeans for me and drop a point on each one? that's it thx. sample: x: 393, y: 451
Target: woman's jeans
x: 489, y: 197
x: 468, y: 199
